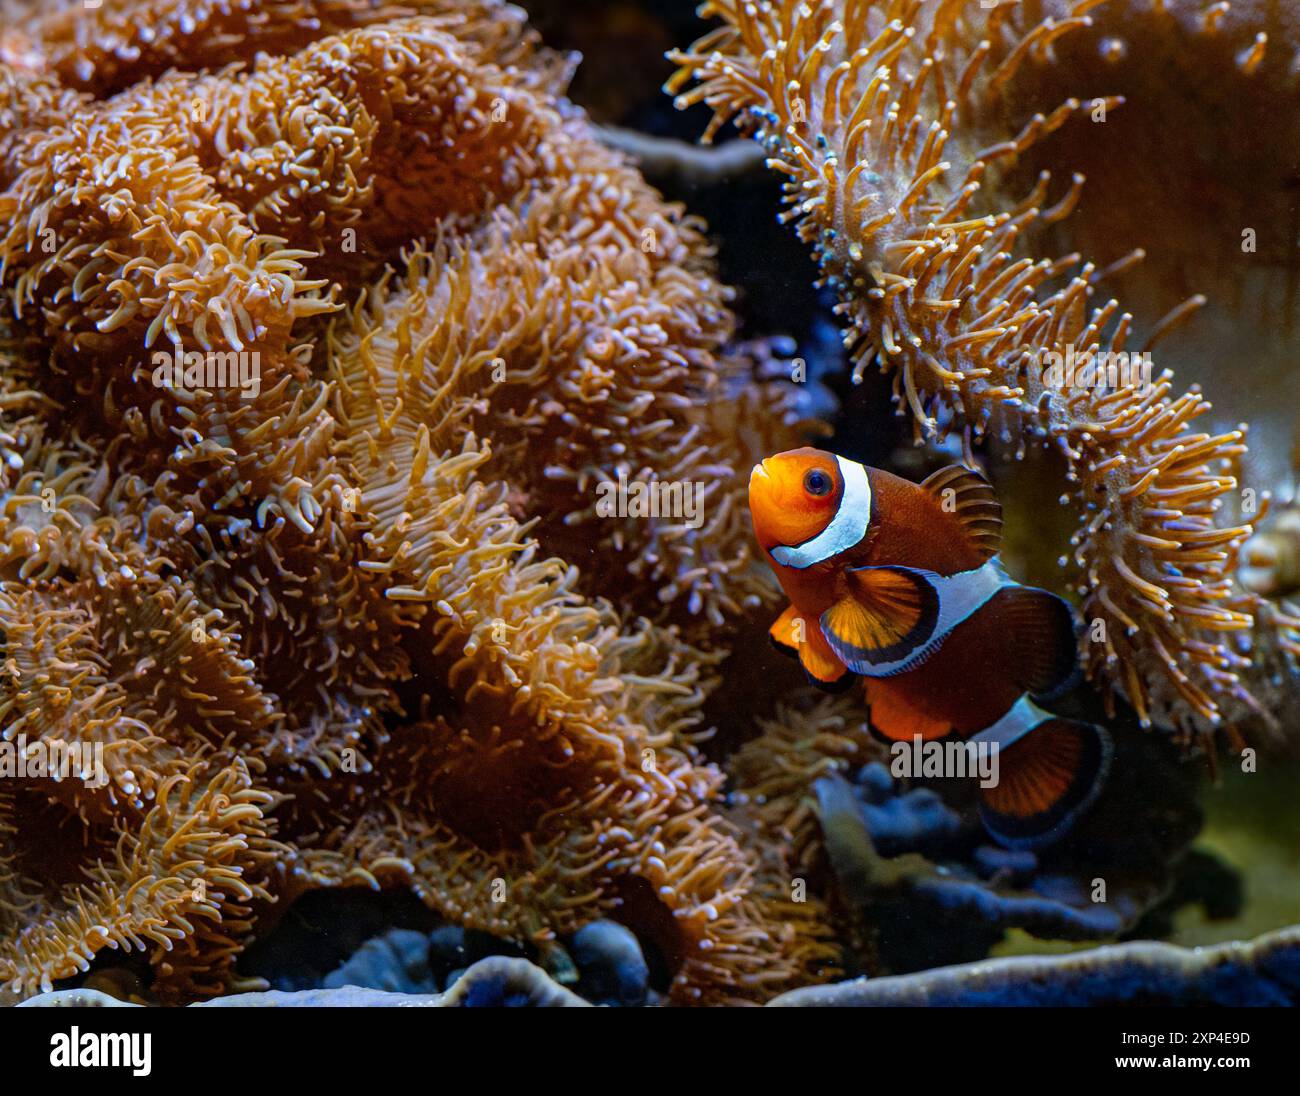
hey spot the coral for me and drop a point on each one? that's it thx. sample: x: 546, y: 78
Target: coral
x: 602, y: 962
x: 104, y: 49
x: 931, y: 891
x: 1255, y: 972
x: 589, y: 221
x: 775, y: 771
x: 590, y: 360
x: 358, y: 623
x: 908, y: 877
x: 397, y: 962
x: 180, y: 880
x: 613, y: 970
x: 312, y: 619
x: 898, y: 127
x: 496, y: 982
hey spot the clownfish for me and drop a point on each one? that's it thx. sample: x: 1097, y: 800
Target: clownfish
x: 900, y: 584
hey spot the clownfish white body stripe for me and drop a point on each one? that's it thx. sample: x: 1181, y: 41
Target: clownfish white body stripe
x: 900, y: 584
x: 959, y: 596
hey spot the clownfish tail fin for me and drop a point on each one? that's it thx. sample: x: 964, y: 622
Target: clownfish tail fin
x: 1046, y: 780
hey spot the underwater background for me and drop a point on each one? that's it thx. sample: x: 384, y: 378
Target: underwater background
x: 381, y: 677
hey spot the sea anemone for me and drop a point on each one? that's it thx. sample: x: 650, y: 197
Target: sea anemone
x: 898, y: 127
x: 311, y: 619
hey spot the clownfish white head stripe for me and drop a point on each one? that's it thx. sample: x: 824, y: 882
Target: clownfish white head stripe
x: 848, y: 522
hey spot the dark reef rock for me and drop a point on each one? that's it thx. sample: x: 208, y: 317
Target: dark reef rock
x: 933, y: 890
x: 397, y: 962
x: 1265, y: 971
x: 496, y: 982
x: 390, y: 943
x: 613, y: 970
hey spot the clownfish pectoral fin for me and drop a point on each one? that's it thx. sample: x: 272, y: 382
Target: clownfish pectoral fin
x: 968, y: 496
x: 793, y: 634
x: 886, y: 615
x: 821, y: 664
x: 1043, y: 654
x: 789, y: 631
x: 1046, y: 780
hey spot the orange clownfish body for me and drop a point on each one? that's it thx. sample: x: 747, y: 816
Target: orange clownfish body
x: 900, y: 583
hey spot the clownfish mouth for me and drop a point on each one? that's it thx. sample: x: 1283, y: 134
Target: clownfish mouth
x: 759, y: 472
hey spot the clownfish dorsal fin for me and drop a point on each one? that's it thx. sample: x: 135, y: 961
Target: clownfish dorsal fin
x: 969, y: 497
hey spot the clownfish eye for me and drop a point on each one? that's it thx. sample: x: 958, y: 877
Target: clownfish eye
x: 816, y: 482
